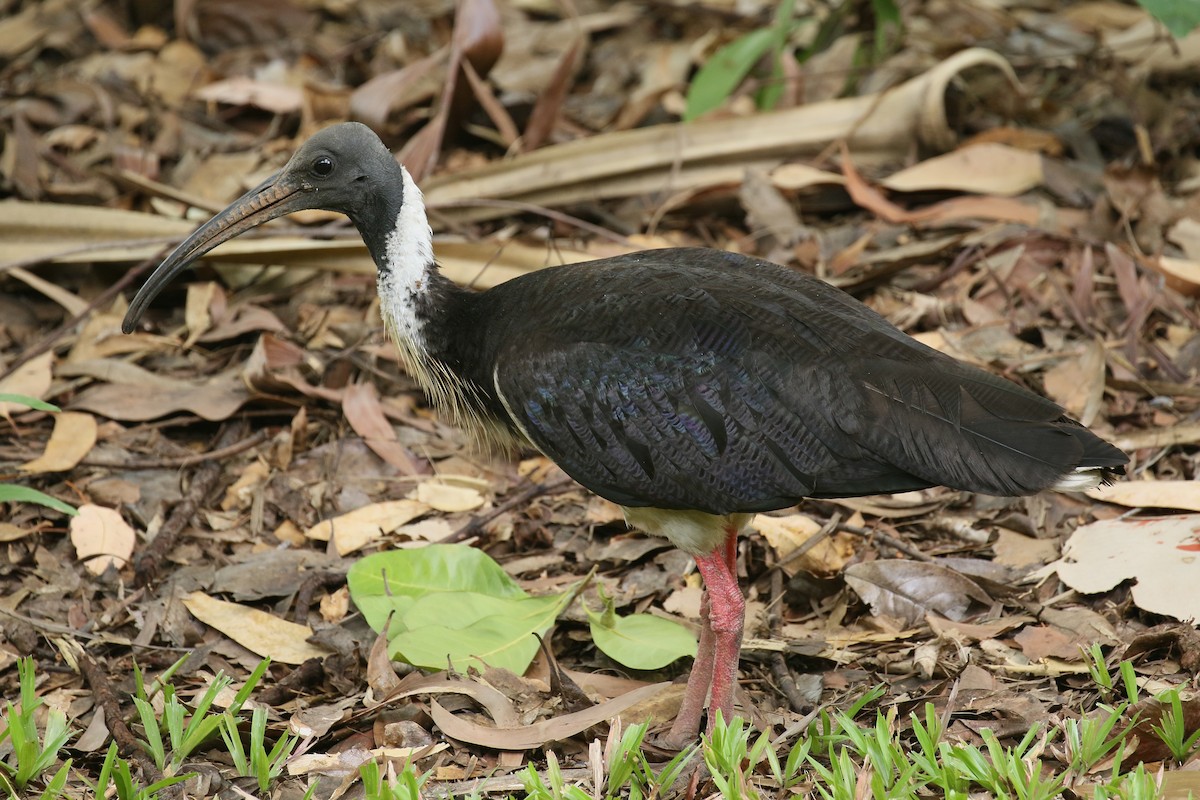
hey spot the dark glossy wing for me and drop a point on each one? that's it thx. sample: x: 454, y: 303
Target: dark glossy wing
x: 728, y: 384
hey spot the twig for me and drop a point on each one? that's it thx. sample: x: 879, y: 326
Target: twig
x: 180, y: 461
x: 779, y: 668
x: 883, y: 538
x: 146, y: 566
x: 811, y: 542
x: 101, y: 683
x: 536, y: 490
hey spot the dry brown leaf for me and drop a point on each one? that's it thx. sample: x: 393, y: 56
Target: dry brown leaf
x: 196, y: 313
x: 1147, y: 49
x: 11, y: 533
x: 976, y: 631
x: 449, y: 496
x: 1150, y: 494
x: 785, y: 534
x: 388, y: 92
x: 1044, y: 641
x: 1160, y: 554
x: 345, y: 763
x: 101, y: 538
x: 1000, y: 209
x: 530, y: 737
x: 381, y: 676
x: 549, y: 101
x: 357, y: 528
x: 1017, y: 550
x: 794, y: 177
x: 241, y: 320
x: 31, y: 379
x: 767, y: 209
x: 73, y: 438
x: 1186, y: 234
x: 341, y: 764
x: 360, y: 404
x: 1181, y: 274
x: 101, y: 338
x: 21, y: 30
x: 1077, y: 382
x: 495, y: 702
x: 909, y: 590
x: 1180, y: 433
x: 1083, y: 622
x: 215, y: 399
x: 278, y: 98
x: 981, y: 169
x: 259, y: 632
x: 220, y: 177
x: 240, y: 494
x: 73, y: 304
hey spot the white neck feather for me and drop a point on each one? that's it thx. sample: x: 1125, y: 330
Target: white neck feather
x: 409, y: 253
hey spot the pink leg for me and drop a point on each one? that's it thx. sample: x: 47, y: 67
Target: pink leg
x: 727, y: 617
x: 687, y: 721
x: 722, y: 615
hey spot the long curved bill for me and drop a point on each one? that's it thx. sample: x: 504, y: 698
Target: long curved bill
x: 274, y: 197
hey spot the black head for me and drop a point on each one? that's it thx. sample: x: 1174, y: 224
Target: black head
x: 343, y: 168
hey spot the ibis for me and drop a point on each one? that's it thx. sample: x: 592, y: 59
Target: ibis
x: 693, y: 387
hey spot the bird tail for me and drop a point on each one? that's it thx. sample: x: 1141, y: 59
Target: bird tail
x: 1100, y: 465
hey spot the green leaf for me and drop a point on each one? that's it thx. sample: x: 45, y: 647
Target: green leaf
x: 476, y: 630
x: 781, y: 29
x: 639, y: 641
x: 887, y: 23
x: 26, y: 400
x: 1180, y: 17
x: 377, y: 581
x: 10, y: 493
x: 54, y: 788
x: 727, y: 68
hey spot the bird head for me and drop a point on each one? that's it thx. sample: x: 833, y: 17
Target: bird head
x: 343, y: 168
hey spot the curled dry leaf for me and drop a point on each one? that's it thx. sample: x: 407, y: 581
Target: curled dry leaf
x: 101, y: 538
x: 257, y: 631
x: 908, y: 590
x: 73, y: 438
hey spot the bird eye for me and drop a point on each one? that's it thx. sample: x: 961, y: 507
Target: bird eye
x: 322, y: 167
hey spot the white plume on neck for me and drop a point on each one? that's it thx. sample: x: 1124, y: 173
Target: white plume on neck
x: 409, y: 254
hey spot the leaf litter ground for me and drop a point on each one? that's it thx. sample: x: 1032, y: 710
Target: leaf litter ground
x: 233, y: 460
